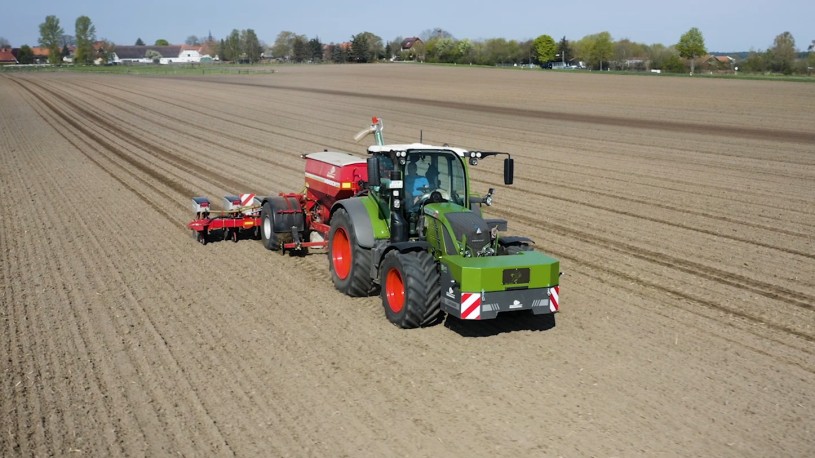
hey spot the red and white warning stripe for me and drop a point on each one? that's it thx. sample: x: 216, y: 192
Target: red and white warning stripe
x: 470, y: 306
x: 554, y: 297
x: 246, y: 200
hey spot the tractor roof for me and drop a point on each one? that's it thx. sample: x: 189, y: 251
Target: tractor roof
x: 414, y: 146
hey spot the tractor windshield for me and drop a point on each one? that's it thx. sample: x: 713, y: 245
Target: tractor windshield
x: 434, y: 176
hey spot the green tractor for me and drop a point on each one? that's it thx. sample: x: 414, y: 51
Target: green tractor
x: 418, y: 236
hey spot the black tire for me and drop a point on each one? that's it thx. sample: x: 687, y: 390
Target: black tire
x: 235, y: 235
x: 350, y: 276
x: 267, y: 234
x: 272, y: 239
x: 411, y: 294
x: 202, y: 238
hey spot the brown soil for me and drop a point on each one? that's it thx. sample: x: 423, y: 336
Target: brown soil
x: 682, y: 210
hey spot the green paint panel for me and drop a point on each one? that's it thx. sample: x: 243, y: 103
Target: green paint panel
x: 379, y: 221
x: 487, y: 273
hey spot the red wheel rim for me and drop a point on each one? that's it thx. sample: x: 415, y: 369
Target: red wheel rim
x: 341, y: 253
x: 395, y: 290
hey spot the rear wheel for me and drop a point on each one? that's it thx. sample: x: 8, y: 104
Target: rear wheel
x: 267, y: 234
x: 410, y: 289
x: 349, y: 263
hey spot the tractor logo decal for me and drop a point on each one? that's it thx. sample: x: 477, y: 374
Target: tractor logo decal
x: 450, y: 293
x: 332, y: 173
x: 471, y: 306
x: 516, y: 304
x: 554, y: 297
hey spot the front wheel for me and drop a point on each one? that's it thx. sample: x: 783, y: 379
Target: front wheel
x: 410, y: 289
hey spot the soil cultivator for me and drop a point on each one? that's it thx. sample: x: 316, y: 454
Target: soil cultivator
x: 404, y: 222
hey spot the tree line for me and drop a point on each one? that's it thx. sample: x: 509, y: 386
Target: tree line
x: 596, y: 51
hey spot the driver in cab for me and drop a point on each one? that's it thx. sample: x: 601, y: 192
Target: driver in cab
x: 415, y: 184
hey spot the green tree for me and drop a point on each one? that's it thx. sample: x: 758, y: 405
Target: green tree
x: 231, y: 47
x: 51, y: 38
x: 629, y: 55
x: 139, y: 42
x: 595, y: 49
x: 4, y: 43
x: 85, y: 37
x: 283, y: 47
x: 544, y: 49
x: 441, y: 49
x: 192, y: 40
x: 564, y: 50
x: 250, y: 46
x: 663, y: 58
x: 366, y: 47
x: 691, y: 45
x: 756, y: 62
x: 300, y: 49
x: 783, y: 53
x: 162, y: 42
x: 811, y: 58
x: 394, y: 48
x: 464, y: 51
x: 25, y: 55
x: 338, y: 54
x: 496, y: 51
x: 603, y: 48
x: 673, y: 64
x: 105, y: 50
x: 315, y: 47
x: 153, y: 55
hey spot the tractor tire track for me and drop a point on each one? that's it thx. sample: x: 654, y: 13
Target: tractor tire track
x: 544, y: 115
x: 182, y: 163
x: 614, y: 210
x: 770, y: 291
x: 231, y: 350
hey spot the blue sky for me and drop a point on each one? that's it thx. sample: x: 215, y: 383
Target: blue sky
x: 726, y: 25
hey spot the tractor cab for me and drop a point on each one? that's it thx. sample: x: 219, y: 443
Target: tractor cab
x: 406, y: 178
x: 413, y: 182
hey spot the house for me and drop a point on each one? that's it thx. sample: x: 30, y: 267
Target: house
x: 720, y: 64
x: 410, y: 42
x: 412, y: 48
x: 7, y: 57
x: 172, y: 54
x: 40, y: 55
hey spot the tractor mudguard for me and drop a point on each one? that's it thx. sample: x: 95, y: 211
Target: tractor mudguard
x: 384, y: 247
x: 514, y: 240
x: 364, y: 215
x: 404, y: 247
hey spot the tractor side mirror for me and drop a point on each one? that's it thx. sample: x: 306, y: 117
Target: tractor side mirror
x: 373, y: 172
x: 509, y: 170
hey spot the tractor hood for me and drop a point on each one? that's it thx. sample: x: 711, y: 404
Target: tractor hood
x: 451, y: 223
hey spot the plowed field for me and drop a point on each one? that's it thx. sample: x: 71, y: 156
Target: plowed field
x: 682, y: 210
